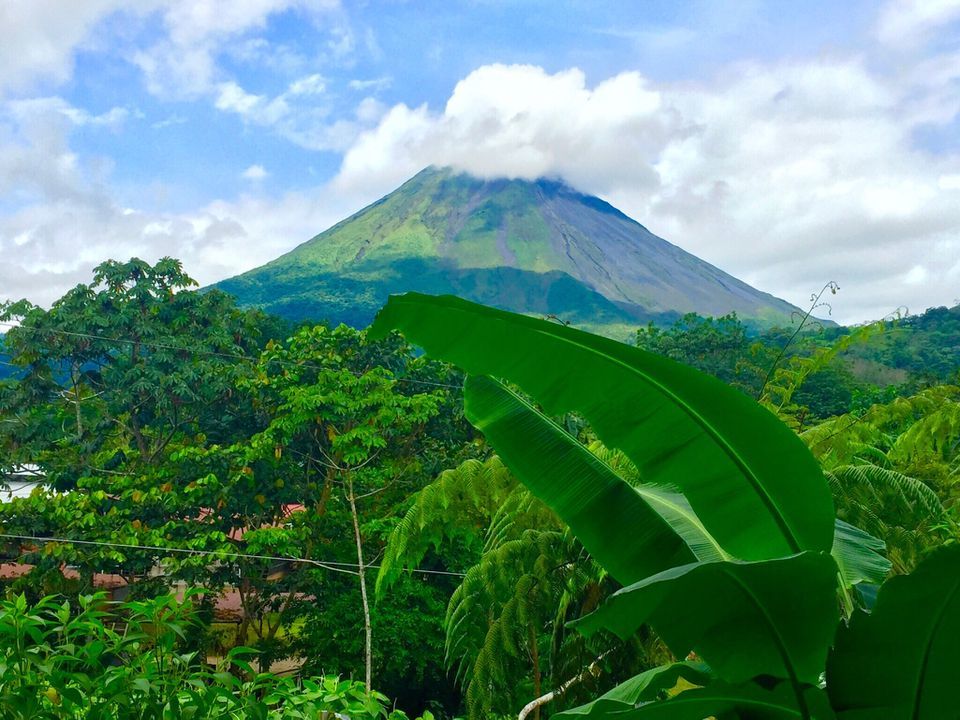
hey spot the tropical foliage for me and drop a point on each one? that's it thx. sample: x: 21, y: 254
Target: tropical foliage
x: 579, y: 527
x: 761, y: 512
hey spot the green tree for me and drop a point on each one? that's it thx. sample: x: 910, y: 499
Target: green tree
x: 119, y: 378
x: 717, y: 346
x: 117, y: 372
x: 227, y: 466
x: 352, y: 426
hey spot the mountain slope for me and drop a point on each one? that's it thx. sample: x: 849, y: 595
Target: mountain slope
x: 537, y: 247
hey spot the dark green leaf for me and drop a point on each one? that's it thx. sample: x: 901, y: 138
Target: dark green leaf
x: 613, y: 520
x: 743, y: 702
x: 645, y: 687
x: 900, y: 661
x: 773, y: 617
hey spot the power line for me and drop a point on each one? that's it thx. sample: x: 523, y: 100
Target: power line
x: 325, y: 564
x: 195, y: 351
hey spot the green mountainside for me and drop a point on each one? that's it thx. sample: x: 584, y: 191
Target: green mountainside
x: 535, y: 247
x: 921, y: 346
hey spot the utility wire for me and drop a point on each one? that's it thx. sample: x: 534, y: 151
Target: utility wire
x: 194, y: 351
x: 325, y: 564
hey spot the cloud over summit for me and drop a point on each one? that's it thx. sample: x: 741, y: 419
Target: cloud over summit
x: 787, y: 174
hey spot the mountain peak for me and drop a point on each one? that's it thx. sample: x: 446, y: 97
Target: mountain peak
x: 536, y: 246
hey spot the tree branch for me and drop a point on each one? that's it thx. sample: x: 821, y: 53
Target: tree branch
x: 593, y: 669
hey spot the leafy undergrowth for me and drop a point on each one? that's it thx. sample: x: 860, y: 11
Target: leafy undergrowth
x: 95, y: 660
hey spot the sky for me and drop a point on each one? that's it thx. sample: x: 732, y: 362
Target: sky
x: 788, y: 143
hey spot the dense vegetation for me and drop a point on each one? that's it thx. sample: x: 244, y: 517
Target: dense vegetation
x: 158, y: 416
x: 330, y: 483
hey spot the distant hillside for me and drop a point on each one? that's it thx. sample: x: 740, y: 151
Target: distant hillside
x: 926, y: 345
x: 535, y: 247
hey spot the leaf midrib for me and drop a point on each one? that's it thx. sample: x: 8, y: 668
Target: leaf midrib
x: 649, y: 494
x: 788, y: 662
x: 729, y: 450
x: 653, y: 497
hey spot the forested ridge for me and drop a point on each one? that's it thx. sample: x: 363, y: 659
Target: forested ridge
x: 466, y: 512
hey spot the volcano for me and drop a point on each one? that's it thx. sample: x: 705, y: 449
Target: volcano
x: 536, y: 247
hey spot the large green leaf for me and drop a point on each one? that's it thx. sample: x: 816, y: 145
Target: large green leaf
x: 645, y: 687
x: 623, y: 527
x: 752, y: 482
x: 902, y: 661
x: 859, y: 555
x: 771, y: 617
x: 735, y: 702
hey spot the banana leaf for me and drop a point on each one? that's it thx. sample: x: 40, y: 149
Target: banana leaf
x: 859, y: 555
x: 645, y: 687
x: 735, y: 702
x: 900, y: 662
x: 745, y: 619
x: 753, y: 484
x: 632, y: 532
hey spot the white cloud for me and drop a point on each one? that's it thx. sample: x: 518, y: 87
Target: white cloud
x: 257, y: 109
x: 255, y: 173
x: 519, y: 121
x: 298, y: 116
x: 309, y: 85
x: 949, y: 182
x: 786, y: 175
x: 24, y: 110
x: 373, y: 84
x: 906, y: 23
x: 183, y: 64
x: 40, y: 37
x: 169, y: 121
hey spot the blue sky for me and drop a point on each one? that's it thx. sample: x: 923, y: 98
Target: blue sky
x: 788, y: 143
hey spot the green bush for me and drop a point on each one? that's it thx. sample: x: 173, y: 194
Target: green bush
x: 98, y: 660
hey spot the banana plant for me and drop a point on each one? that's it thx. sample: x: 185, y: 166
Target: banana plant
x: 725, y: 546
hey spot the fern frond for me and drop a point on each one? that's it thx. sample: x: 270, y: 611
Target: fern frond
x: 519, y: 512
x: 901, y: 510
x: 933, y: 438
x: 510, y: 593
x: 459, y: 503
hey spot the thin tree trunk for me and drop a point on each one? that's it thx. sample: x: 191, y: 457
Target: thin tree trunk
x: 241, y: 638
x: 74, y: 376
x: 134, y: 422
x: 361, y: 571
x: 535, y: 657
